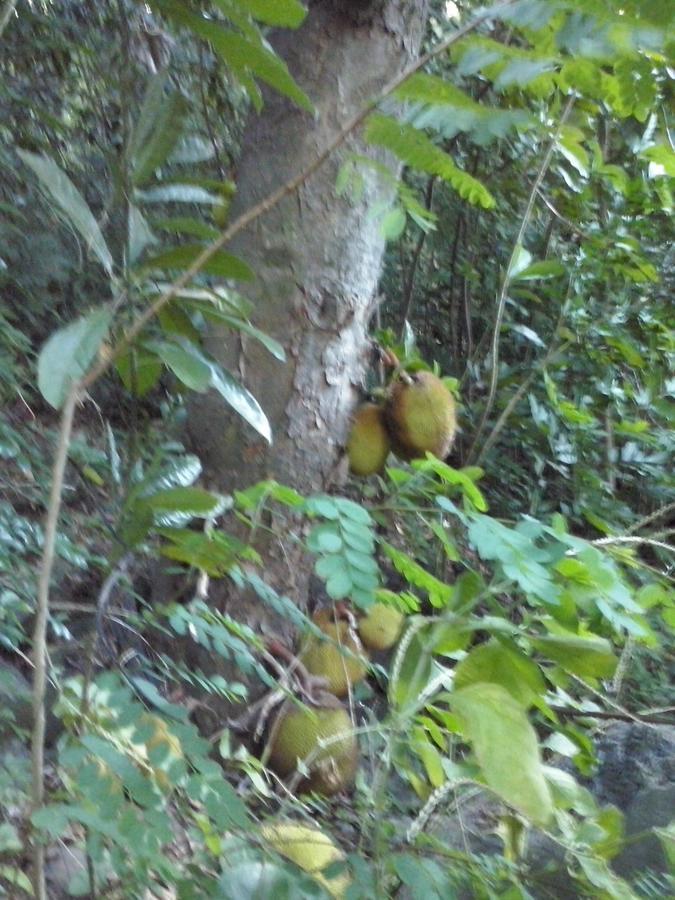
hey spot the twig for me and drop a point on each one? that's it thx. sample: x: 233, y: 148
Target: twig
x: 560, y: 217
x: 106, y: 592
x: 410, y: 280
x: 633, y: 539
x: 510, y: 406
x: 506, y: 283
x: 641, y: 719
x: 40, y: 632
x: 647, y: 520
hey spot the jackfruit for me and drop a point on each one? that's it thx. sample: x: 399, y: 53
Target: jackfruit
x: 368, y: 444
x: 380, y: 627
x: 311, y: 850
x: 295, y: 738
x: 325, y: 658
x: 420, y: 417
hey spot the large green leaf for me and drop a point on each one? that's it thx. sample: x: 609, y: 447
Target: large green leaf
x: 507, y: 666
x: 241, y: 400
x: 222, y: 264
x: 158, y: 130
x: 195, y: 501
x: 281, y: 13
x: 187, y: 366
x: 589, y: 657
x: 68, y: 354
x: 506, y: 748
x: 246, y: 57
x: 199, y: 373
x: 71, y: 202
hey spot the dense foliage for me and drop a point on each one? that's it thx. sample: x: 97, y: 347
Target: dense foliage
x: 530, y: 259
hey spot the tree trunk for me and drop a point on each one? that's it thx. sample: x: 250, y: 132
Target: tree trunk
x: 317, y: 257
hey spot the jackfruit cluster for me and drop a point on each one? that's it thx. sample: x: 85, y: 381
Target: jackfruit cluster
x: 418, y: 416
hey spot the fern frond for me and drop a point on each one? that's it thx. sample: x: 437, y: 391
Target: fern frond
x: 417, y: 151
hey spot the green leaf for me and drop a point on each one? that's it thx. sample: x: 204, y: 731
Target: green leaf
x: 425, y: 878
x: 16, y: 878
x: 139, y: 370
x: 506, y: 748
x: 413, y: 669
x: 188, y: 367
x: 280, y: 13
x: 246, y: 57
x: 187, y: 225
x: 272, y: 346
x: 72, y: 204
x: 575, y: 154
x: 158, y: 130
x: 539, y: 271
x: 440, y: 594
x: 214, y: 554
x: 222, y: 264
x: 589, y: 657
x: 393, y: 224
x: 68, y: 354
x: 195, y: 501
x: 199, y: 372
x: 508, y: 667
x: 416, y: 150
x: 140, y: 234
x: 241, y: 400
x: 456, y: 477
x: 520, y: 260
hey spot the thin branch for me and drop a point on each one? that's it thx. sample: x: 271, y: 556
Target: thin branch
x: 657, y: 514
x: 40, y: 632
x: 410, y: 280
x: 515, y: 399
x: 639, y: 718
x: 560, y: 217
x: 634, y: 539
x: 506, y: 283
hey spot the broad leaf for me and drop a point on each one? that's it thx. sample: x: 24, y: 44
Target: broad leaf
x: 68, y: 354
x: 589, y: 657
x: 507, y: 667
x: 188, y: 367
x: 195, y: 501
x: 280, y: 13
x: 506, y: 748
x: 222, y: 264
x: 71, y: 202
x: 159, y: 128
x: 241, y: 400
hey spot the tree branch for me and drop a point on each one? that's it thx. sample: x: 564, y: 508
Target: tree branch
x: 40, y: 632
x: 639, y: 718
